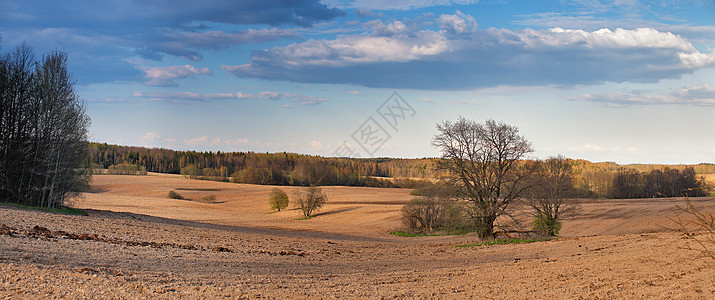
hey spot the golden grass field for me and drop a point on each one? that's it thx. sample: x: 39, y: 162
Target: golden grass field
x: 138, y: 243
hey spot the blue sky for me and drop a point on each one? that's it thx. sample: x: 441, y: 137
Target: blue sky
x: 627, y: 81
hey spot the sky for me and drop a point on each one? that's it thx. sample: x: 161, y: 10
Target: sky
x: 625, y: 80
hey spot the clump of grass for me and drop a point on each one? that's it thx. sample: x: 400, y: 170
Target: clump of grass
x: 61, y: 209
x: 503, y: 242
x: 175, y: 195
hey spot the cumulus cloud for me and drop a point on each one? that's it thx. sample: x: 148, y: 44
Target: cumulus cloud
x: 165, y: 76
x: 458, y: 23
x: 462, y: 57
x: 700, y: 95
x: 380, y: 28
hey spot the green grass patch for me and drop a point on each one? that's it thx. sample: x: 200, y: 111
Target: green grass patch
x: 504, y: 241
x: 61, y: 209
x: 435, y: 233
x: 410, y: 234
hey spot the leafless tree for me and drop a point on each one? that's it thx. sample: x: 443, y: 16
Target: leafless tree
x: 549, y: 194
x: 697, y: 225
x: 482, y: 161
x: 310, y: 200
x: 43, y: 126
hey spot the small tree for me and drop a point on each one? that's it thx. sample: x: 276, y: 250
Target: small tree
x: 549, y: 194
x: 278, y: 200
x: 311, y: 200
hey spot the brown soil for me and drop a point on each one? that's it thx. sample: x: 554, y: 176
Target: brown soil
x: 138, y: 243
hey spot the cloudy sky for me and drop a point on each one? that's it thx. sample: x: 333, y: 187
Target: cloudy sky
x: 624, y: 80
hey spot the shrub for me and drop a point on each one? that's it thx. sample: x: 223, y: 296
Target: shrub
x: 311, y: 200
x: 697, y: 226
x: 425, y: 213
x: 209, y: 199
x: 279, y: 199
x: 546, y: 225
x: 175, y: 195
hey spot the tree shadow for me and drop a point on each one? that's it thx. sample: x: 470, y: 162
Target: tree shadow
x: 335, y: 211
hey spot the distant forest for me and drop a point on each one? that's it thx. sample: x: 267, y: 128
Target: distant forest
x: 603, y: 179
x: 266, y: 168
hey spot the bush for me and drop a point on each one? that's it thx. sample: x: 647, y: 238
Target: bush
x: 425, y: 213
x: 545, y: 225
x: 311, y: 200
x: 190, y: 171
x: 175, y: 195
x: 209, y: 199
x: 430, y: 213
x: 279, y: 199
x: 697, y: 226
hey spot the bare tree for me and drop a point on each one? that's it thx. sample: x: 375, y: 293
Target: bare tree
x: 310, y: 200
x: 43, y: 144
x: 550, y: 193
x: 482, y: 161
x: 697, y: 226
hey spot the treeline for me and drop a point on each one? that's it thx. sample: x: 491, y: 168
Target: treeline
x: 610, y: 180
x: 267, y: 168
x: 596, y: 180
x: 629, y: 183
x: 124, y: 168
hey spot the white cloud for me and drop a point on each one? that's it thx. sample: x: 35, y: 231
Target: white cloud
x: 426, y: 99
x: 150, y: 138
x: 271, y: 95
x: 302, y: 99
x: 237, y: 95
x: 587, y: 148
x: 379, y: 28
x: 394, y: 4
x: 463, y: 57
x: 700, y: 95
x: 170, y: 96
x: 354, y: 92
x: 165, y: 76
x: 316, y: 145
x: 202, y: 141
x: 458, y: 23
